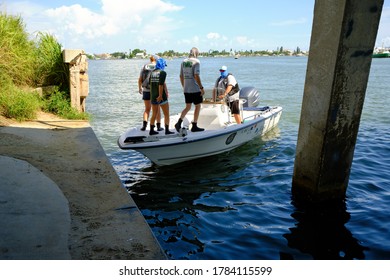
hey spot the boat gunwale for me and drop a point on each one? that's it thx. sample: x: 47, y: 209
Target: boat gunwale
x: 224, y: 131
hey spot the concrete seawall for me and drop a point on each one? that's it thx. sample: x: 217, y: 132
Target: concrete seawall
x: 60, y: 197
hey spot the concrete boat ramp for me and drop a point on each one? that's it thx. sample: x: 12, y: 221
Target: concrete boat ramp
x: 60, y: 197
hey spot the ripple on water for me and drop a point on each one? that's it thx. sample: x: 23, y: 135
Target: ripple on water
x: 239, y: 205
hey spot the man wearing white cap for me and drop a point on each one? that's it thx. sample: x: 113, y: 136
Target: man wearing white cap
x: 226, y: 87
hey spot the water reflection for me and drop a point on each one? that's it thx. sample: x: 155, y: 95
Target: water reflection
x: 320, y: 232
x: 173, y: 186
x: 175, y: 199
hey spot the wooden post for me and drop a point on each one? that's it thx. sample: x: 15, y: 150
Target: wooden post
x: 341, y: 47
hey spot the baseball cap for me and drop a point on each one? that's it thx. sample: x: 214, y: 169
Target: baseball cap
x: 223, y: 68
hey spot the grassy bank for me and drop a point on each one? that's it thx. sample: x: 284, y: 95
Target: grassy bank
x: 26, y: 64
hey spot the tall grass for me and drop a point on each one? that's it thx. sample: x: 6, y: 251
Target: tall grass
x: 50, y: 69
x: 26, y: 64
x: 16, y: 51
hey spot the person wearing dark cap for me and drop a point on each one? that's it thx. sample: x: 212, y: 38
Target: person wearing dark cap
x: 159, y: 95
x: 226, y: 87
x: 144, y: 89
x: 192, y: 87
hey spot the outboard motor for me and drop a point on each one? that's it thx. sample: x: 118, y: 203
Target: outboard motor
x: 251, y: 96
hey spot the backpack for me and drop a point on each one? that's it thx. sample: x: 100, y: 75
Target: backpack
x: 146, y: 72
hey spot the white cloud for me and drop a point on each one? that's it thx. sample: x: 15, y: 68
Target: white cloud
x: 213, y: 35
x: 117, y: 16
x: 78, y: 21
x: 76, y: 24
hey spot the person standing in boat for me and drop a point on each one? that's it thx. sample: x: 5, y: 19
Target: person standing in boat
x: 159, y: 95
x: 226, y: 87
x: 192, y: 87
x: 144, y: 89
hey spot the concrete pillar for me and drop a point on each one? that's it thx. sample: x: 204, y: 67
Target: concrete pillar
x: 342, y: 42
x: 74, y: 71
x: 79, y: 85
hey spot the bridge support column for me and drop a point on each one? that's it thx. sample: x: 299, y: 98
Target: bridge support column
x: 342, y: 42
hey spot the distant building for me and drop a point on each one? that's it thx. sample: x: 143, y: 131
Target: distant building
x: 102, y: 56
x: 140, y: 55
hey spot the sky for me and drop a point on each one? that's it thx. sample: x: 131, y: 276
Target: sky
x: 108, y: 26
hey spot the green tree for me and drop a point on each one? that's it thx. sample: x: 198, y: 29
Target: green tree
x: 135, y: 51
x: 120, y: 55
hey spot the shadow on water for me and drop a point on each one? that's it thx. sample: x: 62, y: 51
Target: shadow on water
x: 320, y: 232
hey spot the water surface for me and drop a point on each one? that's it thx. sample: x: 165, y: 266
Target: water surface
x: 238, y: 205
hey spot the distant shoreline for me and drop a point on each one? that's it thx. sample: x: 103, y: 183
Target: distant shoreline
x: 95, y: 57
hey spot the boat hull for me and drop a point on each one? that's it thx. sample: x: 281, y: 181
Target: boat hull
x: 381, y: 55
x: 164, y: 150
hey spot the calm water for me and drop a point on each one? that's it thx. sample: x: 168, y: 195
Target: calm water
x: 239, y: 205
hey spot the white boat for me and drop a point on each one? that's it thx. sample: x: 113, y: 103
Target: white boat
x: 221, y: 133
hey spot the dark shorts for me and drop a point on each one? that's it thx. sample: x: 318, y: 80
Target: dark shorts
x: 235, y: 107
x: 193, y: 97
x: 162, y: 102
x: 146, y: 95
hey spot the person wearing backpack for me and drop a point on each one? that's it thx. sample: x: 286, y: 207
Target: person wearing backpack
x: 226, y: 87
x: 144, y: 89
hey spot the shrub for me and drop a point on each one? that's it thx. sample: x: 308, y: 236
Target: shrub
x: 17, y: 103
x: 58, y: 103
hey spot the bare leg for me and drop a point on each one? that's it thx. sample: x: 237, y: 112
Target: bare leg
x: 186, y: 110
x: 158, y: 117
x: 196, y: 112
x: 183, y: 114
x: 155, y: 108
x: 165, y: 109
x: 237, y: 117
x: 148, y: 106
x: 195, y: 127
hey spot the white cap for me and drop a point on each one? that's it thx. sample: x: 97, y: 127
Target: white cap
x: 223, y: 68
